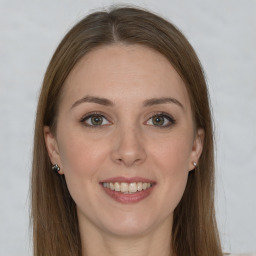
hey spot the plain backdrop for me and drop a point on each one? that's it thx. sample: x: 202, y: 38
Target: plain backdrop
x: 223, y: 33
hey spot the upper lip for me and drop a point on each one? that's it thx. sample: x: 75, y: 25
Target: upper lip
x: 128, y: 180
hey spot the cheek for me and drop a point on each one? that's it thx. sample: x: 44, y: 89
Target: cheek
x: 79, y: 155
x: 81, y: 159
x: 173, y: 154
x: 172, y: 161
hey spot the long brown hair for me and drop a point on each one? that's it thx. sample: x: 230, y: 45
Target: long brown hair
x: 54, y: 219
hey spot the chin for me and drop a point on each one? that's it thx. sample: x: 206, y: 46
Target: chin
x: 131, y: 225
x: 129, y: 230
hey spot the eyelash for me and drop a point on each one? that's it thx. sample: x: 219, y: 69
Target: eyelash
x: 171, y: 120
x: 88, y: 116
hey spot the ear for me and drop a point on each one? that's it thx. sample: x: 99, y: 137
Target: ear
x: 52, y: 148
x: 197, y: 148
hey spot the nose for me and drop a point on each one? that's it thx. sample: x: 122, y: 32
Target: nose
x: 129, y: 147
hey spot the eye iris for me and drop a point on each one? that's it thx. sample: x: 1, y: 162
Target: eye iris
x: 158, y: 120
x: 96, y: 120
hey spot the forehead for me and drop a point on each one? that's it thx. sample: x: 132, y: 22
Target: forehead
x: 126, y: 72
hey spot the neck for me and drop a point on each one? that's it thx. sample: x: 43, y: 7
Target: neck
x: 155, y: 242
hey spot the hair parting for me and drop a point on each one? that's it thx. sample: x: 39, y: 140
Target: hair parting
x: 53, y: 211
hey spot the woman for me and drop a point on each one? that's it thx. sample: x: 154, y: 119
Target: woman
x: 123, y: 150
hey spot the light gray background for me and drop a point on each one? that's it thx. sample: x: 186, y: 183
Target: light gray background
x: 224, y: 36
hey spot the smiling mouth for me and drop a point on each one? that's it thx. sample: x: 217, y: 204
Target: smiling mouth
x: 127, y: 188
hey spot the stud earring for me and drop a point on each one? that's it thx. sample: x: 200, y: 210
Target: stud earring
x: 195, y: 164
x: 56, y: 168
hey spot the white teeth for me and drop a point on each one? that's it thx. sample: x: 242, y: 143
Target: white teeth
x: 133, y: 187
x: 111, y: 186
x: 144, y: 186
x: 117, y: 186
x: 125, y: 187
x: 139, y: 186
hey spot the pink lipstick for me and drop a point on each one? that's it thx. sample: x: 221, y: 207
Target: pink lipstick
x: 128, y: 190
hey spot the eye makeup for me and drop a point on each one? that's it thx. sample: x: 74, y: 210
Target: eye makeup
x: 95, y: 120
x: 98, y: 120
x: 162, y: 120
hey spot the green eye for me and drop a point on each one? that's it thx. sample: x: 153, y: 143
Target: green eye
x: 158, y: 120
x: 161, y: 120
x: 94, y: 120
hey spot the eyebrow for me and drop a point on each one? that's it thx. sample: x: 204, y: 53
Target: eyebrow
x: 146, y: 103
x: 163, y: 100
x: 97, y: 100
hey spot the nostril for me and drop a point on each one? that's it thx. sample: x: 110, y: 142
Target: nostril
x: 128, y: 154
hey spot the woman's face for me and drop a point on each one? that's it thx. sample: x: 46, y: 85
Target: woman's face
x: 125, y: 123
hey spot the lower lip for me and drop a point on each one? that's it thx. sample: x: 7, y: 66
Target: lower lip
x: 128, y: 198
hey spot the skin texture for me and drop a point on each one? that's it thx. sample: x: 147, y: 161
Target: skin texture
x: 128, y: 143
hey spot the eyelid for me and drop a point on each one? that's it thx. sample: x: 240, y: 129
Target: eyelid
x: 165, y: 115
x: 169, y: 117
x: 91, y: 114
